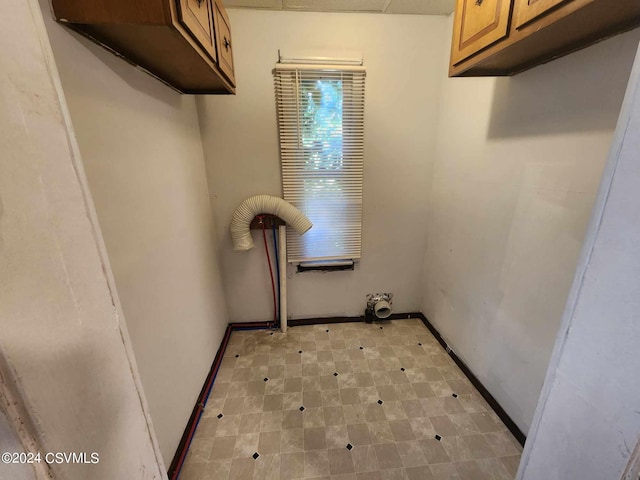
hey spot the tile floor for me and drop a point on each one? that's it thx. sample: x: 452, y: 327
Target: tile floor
x: 347, y: 401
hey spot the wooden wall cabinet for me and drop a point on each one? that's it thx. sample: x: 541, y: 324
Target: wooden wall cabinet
x: 505, y: 37
x: 183, y: 43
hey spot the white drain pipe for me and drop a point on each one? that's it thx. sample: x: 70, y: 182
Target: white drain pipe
x: 282, y: 252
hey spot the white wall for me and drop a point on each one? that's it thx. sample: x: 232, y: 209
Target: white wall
x: 241, y: 149
x: 587, y: 422
x: 9, y: 442
x: 63, y: 344
x: 141, y: 148
x: 518, y: 162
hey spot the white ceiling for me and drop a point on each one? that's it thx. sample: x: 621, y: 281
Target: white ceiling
x: 419, y: 7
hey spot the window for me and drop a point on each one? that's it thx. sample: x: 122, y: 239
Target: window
x: 321, y: 122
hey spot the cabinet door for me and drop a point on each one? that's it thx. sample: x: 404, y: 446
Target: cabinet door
x: 527, y: 10
x: 478, y: 24
x: 197, y: 17
x: 223, y: 40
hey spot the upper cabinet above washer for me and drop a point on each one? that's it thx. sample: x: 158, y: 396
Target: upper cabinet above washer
x: 180, y: 42
x: 479, y: 24
x: 505, y: 37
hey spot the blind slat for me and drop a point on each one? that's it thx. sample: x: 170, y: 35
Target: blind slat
x: 321, y: 128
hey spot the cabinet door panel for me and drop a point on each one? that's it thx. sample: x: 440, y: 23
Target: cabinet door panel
x: 478, y: 24
x: 196, y: 15
x: 527, y: 10
x: 223, y: 40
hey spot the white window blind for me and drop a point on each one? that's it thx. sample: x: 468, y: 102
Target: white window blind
x: 321, y: 125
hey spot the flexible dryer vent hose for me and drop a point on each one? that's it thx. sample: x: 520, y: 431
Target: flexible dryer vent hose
x: 252, y: 206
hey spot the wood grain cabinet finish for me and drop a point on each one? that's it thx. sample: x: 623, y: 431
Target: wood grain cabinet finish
x: 479, y: 24
x: 509, y: 38
x: 176, y: 41
x: 531, y: 9
x: 223, y: 40
x: 197, y: 17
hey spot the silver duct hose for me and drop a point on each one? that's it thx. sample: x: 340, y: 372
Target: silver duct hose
x: 252, y: 206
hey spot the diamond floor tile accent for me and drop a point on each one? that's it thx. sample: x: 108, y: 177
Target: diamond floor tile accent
x: 432, y: 422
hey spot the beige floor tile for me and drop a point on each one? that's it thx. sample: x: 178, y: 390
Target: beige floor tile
x: 364, y: 458
x: 271, y: 421
x: 440, y: 388
x: 503, y: 444
x: 485, y: 423
x: 456, y: 448
x: 469, y: 471
x: 460, y: 386
x: 200, y: 449
x: 388, y: 456
x: 246, y: 445
x: 216, y: 469
x: 312, y: 399
x: 511, y: 463
x: 444, y: 471
x: 316, y: 464
x: 473, y: 403
x: 315, y: 439
x: 359, y: 434
x: 349, y: 396
x: 311, y: 384
x: 242, y: 469
x: 478, y: 446
x: 464, y: 424
x: 434, y: 452
x: 419, y: 473
x: 368, y: 476
x: 405, y: 391
x: 387, y: 393
x: 433, y: 406
x: 337, y: 436
x: 493, y: 469
x: 292, y: 440
x: 272, y: 403
x: 269, y: 443
x: 394, y: 474
x: 291, y: 466
x: 340, y: 461
x: 368, y: 395
x: 207, y: 427
x: 380, y: 432
x: 293, y: 384
x: 192, y: 471
x: 340, y: 384
x: 292, y: 401
x: 451, y: 405
x: 443, y: 425
x: 267, y: 467
x: 333, y: 416
x: 292, y: 419
x: 313, y: 417
x: 422, y: 428
x: 423, y: 390
x: 413, y: 408
x: 249, y: 423
x: 228, y: 426
x: 394, y: 411
x: 411, y: 454
x: 401, y: 430
x: 354, y: 414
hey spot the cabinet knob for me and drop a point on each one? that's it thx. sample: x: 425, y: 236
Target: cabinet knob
x: 227, y: 44
x: 200, y: 3
x: 478, y: 2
